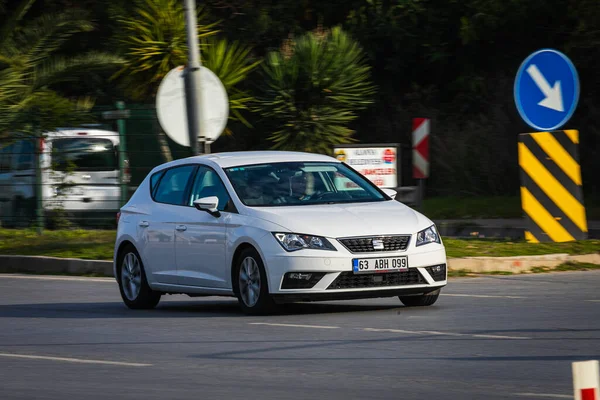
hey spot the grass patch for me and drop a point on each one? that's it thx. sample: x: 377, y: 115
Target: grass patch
x: 98, y: 245
x: 506, y: 248
x: 453, y: 207
x: 85, y: 244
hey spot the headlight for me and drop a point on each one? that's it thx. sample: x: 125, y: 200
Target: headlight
x: 429, y: 235
x: 295, y: 241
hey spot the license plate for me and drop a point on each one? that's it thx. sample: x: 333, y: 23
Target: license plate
x: 382, y: 264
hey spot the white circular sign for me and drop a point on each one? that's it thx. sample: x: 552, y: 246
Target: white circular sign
x: 171, y: 107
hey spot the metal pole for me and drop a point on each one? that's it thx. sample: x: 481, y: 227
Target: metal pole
x: 39, y: 190
x: 421, y: 193
x: 122, y: 153
x: 192, y: 79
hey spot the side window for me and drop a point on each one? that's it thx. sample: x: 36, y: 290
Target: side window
x: 154, y: 181
x: 25, y: 156
x: 206, y: 184
x: 172, y: 186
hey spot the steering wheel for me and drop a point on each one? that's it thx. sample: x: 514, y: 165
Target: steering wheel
x: 321, y: 195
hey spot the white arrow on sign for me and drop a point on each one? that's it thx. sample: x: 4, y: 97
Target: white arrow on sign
x: 553, y: 95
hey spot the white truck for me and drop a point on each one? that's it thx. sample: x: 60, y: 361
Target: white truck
x: 80, y: 175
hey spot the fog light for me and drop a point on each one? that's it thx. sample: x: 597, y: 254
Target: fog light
x: 301, y: 280
x: 299, y: 275
x: 437, y: 272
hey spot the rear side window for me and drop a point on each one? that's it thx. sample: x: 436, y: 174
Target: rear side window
x: 172, y: 187
x: 84, y: 154
x: 154, y: 182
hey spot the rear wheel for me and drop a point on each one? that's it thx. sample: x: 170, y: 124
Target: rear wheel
x: 421, y: 300
x: 252, y: 288
x: 133, y: 285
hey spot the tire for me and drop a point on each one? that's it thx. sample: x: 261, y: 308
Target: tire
x: 420, y: 301
x: 251, y: 284
x: 133, y: 285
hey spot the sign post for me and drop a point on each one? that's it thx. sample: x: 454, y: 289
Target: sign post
x: 120, y: 114
x: 546, y: 93
x: 420, y: 155
x: 192, y: 79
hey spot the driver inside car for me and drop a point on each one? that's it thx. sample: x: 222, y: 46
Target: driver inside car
x: 294, y: 188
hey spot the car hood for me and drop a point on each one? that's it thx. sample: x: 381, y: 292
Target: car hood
x: 342, y: 220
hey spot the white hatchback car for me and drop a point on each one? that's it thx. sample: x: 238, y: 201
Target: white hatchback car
x: 271, y: 227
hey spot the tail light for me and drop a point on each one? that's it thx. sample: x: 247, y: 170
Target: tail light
x: 118, y: 217
x: 126, y: 172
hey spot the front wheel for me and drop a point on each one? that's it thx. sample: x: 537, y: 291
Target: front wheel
x: 133, y: 285
x: 421, y: 300
x: 252, y: 288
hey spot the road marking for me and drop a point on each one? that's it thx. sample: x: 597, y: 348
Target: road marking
x: 74, y: 360
x: 545, y: 395
x: 57, y: 278
x: 483, y: 296
x: 397, y: 331
x: 296, y: 326
x: 444, y: 333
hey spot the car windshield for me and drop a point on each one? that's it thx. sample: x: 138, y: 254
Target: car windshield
x: 84, y: 154
x: 301, y: 183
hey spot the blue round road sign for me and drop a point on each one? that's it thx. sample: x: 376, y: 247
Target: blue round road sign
x: 546, y: 90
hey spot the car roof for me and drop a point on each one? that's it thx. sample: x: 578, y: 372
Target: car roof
x: 240, y: 158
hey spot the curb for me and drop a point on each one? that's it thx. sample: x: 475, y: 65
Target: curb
x: 54, y: 265
x: 76, y: 266
x: 518, y: 264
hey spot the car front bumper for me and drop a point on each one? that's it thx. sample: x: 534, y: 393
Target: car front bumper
x: 339, y: 282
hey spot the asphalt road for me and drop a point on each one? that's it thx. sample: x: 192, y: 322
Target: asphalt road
x: 509, y: 337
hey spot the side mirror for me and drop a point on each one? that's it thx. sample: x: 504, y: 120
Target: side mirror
x: 209, y: 204
x: 390, y: 192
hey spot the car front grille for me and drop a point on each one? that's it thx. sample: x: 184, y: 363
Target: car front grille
x: 437, y: 272
x: 366, y: 245
x: 349, y: 280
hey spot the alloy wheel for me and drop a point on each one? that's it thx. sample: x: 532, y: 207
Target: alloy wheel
x: 249, y: 282
x: 131, y: 276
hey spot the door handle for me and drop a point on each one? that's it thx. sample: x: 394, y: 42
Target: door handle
x: 181, y: 228
x: 144, y: 224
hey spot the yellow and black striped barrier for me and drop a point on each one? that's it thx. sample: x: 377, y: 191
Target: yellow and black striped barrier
x: 551, y: 191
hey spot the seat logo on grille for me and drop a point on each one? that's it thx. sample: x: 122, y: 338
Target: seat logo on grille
x: 378, y: 244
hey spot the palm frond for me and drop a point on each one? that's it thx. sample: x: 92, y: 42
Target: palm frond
x: 47, y: 33
x: 10, y: 22
x: 61, y: 69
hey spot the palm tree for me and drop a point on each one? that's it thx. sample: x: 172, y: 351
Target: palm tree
x: 31, y: 68
x: 154, y: 41
x: 314, y: 85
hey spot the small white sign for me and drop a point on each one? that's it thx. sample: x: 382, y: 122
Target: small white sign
x: 378, y: 164
x: 171, y: 107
